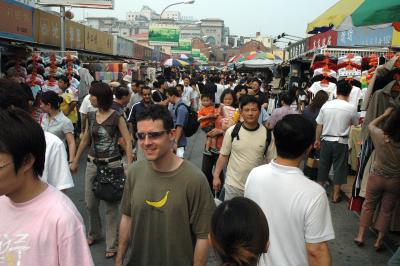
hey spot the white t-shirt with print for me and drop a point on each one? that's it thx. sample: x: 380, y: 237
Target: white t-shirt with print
x: 297, y: 211
x: 329, y: 88
x: 355, y: 96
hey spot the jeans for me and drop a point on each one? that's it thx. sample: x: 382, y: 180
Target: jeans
x: 93, y: 204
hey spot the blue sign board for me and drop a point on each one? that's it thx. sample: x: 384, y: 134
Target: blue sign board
x: 366, y: 36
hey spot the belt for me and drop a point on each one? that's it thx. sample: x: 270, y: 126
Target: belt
x: 104, y: 161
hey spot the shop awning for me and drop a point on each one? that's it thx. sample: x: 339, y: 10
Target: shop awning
x: 335, y: 15
x: 373, y: 12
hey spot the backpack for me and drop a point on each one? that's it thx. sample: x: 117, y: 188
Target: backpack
x: 235, y: 134
x: 192, y: 125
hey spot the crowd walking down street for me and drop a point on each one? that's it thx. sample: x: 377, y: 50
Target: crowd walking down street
x: 250, y: 155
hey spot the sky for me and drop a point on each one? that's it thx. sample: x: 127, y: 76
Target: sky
x: 243, y: 17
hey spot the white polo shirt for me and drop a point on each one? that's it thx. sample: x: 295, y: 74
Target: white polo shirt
x: 297, y: 211
x: 337, y: 116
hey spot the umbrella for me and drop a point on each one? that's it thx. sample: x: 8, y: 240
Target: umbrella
x: 264, y: 55
x: 373, y: 12
x: 184, y: 57
x: 335, y: 15
x: 256, y: 63
x: 175, y: 62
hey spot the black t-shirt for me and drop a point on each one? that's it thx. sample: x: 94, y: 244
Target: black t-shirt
x: 158, y: 96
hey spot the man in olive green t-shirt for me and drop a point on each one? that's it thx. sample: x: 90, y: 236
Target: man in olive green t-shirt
x: 167, y: 204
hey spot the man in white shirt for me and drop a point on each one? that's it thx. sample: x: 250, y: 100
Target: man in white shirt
x: 220, y: 89
x: 296, y: 208
x: 332, y: 135
x: 84, y: 109
x: 188, y: 92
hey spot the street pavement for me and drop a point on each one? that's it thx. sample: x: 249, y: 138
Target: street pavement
x: 345, y: 222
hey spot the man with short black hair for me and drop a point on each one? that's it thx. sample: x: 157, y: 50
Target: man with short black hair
x: 296, y: 208
x: 136, y: 96
x: 332, y: 135
x: 256, y: 87
x: 188, y: 93
x: 180, y: 116
x: 35, y: 217
x: 167, y: 204
x: 243, y: 148
x: 136, y: 109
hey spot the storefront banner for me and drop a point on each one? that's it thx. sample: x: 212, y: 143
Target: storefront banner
x: 102, y: 4
x: 328, y: 38
x: 74, y: 35
x: 148, y: 53
x: 98, y: 41
x: 366, y: 36
x: 196, y: 53
x: 185, y: 46
x: 122, y: 47
x: 47, y: 28
x: 297, y: 49
x: 164, y: 34
x: 16, y: 21
x: 138, y: 51
x: 396, y: 38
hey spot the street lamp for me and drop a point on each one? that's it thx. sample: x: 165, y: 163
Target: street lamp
x: 174, y: 4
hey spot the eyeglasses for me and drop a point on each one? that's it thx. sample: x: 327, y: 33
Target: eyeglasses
x: 151, y: 135
x: 5, y: 165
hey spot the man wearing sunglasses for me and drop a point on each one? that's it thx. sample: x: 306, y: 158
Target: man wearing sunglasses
x: 167, y: 204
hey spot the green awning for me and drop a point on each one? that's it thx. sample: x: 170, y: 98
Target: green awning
x: 375, y: 12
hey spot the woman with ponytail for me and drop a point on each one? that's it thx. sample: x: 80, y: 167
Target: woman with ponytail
x: 55, y: 122
x: 239, y: 232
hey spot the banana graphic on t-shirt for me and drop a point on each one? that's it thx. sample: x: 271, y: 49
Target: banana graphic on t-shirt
x: 159, y: 204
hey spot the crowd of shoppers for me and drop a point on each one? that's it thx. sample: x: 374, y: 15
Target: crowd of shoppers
x: 168, y: 216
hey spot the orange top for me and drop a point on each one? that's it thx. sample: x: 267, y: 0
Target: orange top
x: 204, y: 111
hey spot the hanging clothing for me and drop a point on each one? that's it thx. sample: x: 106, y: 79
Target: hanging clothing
x: 381, y: 100
x: 366, y: 150
x: 85, y: 83
x: 380, y: 73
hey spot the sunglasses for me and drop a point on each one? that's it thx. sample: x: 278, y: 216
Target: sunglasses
x: 151, y: 135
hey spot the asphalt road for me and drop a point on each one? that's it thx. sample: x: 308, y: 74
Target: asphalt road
x: 343, y: 250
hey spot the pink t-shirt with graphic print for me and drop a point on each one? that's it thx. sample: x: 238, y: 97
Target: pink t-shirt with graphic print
x: 47, y: 230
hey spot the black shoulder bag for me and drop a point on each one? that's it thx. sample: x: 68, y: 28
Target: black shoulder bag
x: 108, y: 183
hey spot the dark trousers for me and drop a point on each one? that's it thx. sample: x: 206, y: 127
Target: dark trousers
x: 386, y: 190
x: 333, y: 152
x: 207, y: 167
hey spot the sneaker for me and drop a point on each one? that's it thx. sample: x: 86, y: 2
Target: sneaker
x: 207, y: 152
x: 214, y: 150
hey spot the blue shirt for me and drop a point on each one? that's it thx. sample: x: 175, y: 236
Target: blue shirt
x: 180, y: 120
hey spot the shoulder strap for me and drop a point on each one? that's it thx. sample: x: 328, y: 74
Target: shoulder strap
x: 235, y: 131
x: 177, y: 107
x: 91, y: 119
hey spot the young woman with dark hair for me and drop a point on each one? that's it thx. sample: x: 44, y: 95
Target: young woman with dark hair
x: 103, y: 129
x: 54, y: 121
x: 311, y: 112
x: 239, y: 232
x: 384, y: 180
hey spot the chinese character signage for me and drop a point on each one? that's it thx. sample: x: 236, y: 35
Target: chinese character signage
x: 366, y: 36
x: 164, y: 34
x: 321, y: 40
x: 297, y: 49
x: 16, y: 21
